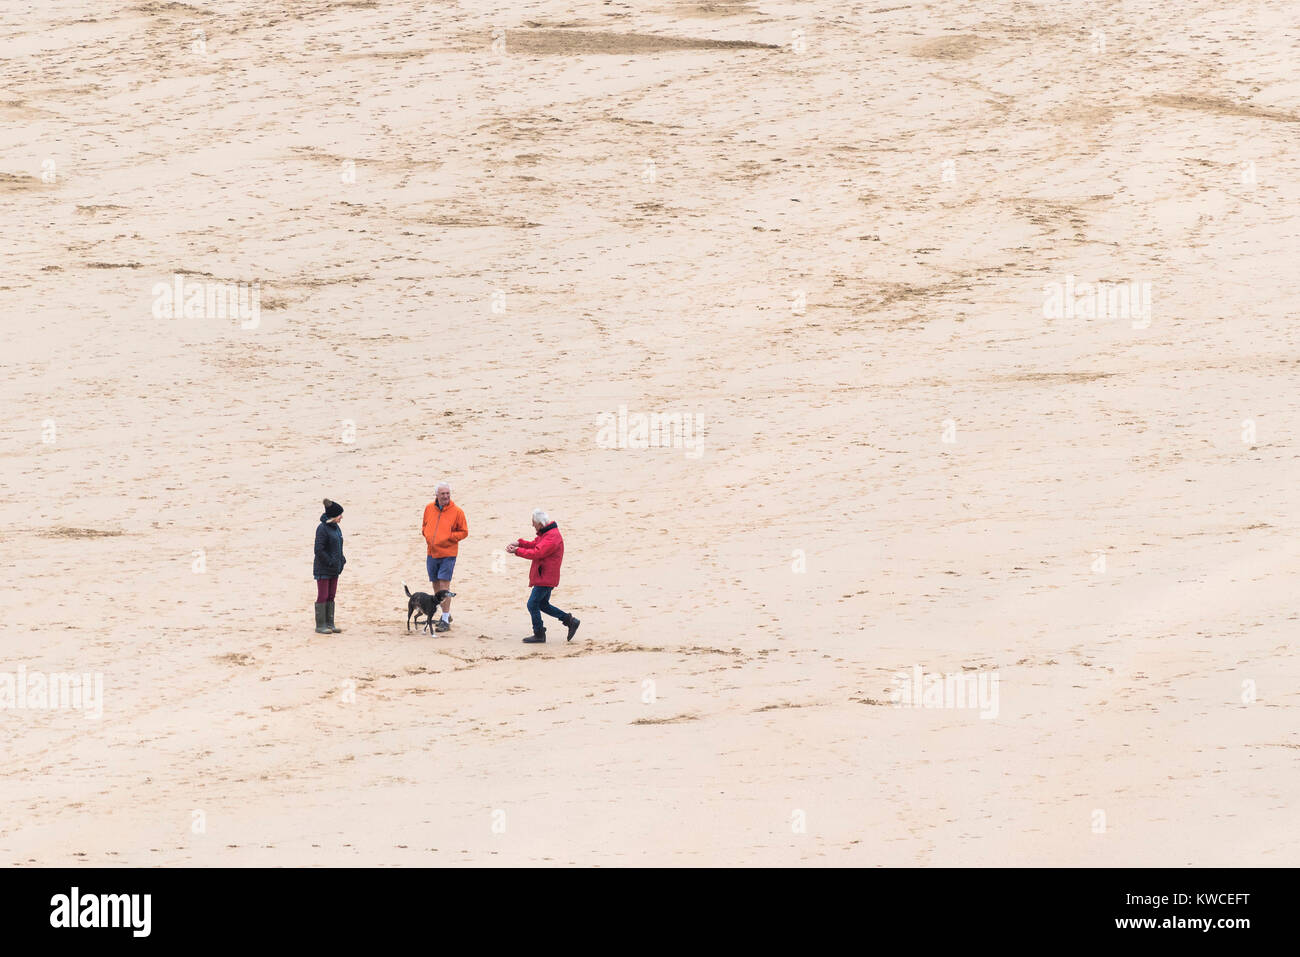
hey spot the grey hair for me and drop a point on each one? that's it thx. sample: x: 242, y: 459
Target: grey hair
x: 440, y: 486
x: 540, y: 516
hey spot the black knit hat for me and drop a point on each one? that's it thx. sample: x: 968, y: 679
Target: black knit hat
x: 333, y: 509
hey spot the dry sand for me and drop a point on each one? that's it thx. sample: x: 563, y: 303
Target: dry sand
x: 646, y: 194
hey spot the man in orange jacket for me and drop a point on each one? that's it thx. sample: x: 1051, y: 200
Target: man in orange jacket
x: 443, y: 528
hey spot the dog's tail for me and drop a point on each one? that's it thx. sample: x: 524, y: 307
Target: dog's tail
x: 407, y: 590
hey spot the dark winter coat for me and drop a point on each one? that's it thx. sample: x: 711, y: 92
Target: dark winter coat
x: 329, y: 550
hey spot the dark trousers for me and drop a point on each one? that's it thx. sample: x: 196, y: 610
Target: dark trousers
x: 326, y: 589
x: 539, y: 601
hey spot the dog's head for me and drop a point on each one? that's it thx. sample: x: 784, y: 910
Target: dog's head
x: 438, y: 597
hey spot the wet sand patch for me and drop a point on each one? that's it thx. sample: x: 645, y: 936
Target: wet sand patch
x: 961, y: 47
x: 574, y: 42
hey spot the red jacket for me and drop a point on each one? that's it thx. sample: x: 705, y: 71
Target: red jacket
x: 546, y: 551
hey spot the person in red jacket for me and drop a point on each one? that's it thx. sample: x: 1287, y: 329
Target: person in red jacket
x: 546, y: 552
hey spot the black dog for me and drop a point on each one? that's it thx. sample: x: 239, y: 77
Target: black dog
x: 423, y: 604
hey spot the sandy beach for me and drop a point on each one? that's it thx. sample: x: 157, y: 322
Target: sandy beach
x: 967, y: 332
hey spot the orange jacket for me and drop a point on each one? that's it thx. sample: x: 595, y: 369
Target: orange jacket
x: 443, y: 529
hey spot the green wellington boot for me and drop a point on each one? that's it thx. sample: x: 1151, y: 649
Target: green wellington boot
x: 322, y: 628
x: 329, y: 617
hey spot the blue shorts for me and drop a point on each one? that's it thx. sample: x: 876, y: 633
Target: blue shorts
x: 440, y: 568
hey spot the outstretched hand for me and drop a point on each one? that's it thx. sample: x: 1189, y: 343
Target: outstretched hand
x: 511, y: 547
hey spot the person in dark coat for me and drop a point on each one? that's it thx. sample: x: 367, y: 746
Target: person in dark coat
x: 328, y: 564
x: 546, y: 552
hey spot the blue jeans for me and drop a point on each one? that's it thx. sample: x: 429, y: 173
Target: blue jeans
x: 539, y: 601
